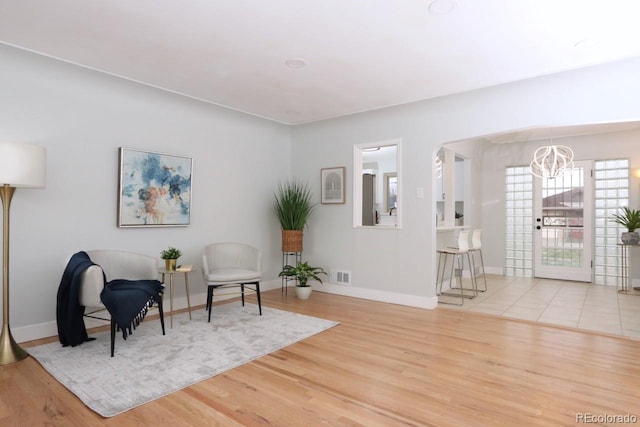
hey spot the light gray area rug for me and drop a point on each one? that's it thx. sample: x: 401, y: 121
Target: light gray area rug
x: 149, y: 365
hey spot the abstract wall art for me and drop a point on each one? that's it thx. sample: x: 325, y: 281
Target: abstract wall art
x: 154, y: 189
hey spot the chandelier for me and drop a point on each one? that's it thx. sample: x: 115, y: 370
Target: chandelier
x: 552, y: 161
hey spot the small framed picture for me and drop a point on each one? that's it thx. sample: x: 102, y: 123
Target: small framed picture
x: 154, y: 190
x: 333, y: 190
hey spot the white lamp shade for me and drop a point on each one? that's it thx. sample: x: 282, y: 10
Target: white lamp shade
x: 22, y: 165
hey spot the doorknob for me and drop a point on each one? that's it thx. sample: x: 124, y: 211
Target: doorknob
x: 538, y: 227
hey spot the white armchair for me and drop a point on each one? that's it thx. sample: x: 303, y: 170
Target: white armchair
x: 115, y: 265
x: 231, y: 265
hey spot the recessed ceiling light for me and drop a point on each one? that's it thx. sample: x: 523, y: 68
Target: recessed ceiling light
x: 295, y: 63
x: 441, y: 7
x: 585, y: 43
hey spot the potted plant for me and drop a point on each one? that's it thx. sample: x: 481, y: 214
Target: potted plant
x: 293, y: 207
x: 303, y: 272
x: 170, y: 257
x: 629, y: 219
x: 458, y: 218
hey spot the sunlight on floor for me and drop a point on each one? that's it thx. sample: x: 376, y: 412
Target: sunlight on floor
x: 575, y: 304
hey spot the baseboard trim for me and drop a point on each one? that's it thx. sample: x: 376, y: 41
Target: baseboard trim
x: 381, y: 296
x: 50, y: 329
x: 496, y: 271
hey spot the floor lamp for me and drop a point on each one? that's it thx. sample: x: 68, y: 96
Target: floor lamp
x: 21, y: 165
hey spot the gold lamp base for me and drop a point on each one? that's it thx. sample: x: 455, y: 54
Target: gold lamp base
x: 21, y: 165
x: 10, y: 351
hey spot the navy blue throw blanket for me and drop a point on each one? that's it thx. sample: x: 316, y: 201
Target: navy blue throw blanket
x: 129, y: 300
x: 69, y: 312
x: 126, y: 300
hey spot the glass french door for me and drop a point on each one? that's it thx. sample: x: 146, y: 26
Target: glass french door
x: 563, y: 210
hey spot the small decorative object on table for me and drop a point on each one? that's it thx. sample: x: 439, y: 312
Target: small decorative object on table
x: 303, y: 272
x: 170, y: 257
x: 629, y: 219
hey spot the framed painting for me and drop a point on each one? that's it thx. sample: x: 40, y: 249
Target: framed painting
x: 154, y: 189
x: 333, y: 190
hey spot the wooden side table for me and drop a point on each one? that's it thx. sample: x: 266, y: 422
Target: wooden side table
x: 186, y: 270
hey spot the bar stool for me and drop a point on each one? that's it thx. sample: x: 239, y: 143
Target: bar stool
x: 457, y: 254
x: 476, y: 247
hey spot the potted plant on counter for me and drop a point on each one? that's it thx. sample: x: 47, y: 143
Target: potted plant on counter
x: 292, y: 207
x: 459, y: 220
x: 170, y: 257
x: 303, y: 272
x: 629, y: 219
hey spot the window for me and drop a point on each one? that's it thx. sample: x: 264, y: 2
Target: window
x: 611, y: 183
x: 519, y: 221
x: 377, y: 196
x: 390, y: 192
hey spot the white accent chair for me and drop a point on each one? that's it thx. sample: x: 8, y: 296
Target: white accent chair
x: 229, y: 264
x: 457, y: 254
x: 476, y: 247
x: 115, y: 265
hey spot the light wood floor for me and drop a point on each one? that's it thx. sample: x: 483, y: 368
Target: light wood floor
x: 384, y: 365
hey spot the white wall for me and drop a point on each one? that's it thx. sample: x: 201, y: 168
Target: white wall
x: 471, y: 151
x: 82, y: 117
x: 399, y: 266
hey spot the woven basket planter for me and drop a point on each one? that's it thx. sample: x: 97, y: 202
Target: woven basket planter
x: 292, y: 240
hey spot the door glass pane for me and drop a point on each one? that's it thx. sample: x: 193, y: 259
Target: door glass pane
x: 563, y: 220
x: 562, y: 247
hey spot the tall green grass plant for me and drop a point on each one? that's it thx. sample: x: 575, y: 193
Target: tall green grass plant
x: 293, y: 204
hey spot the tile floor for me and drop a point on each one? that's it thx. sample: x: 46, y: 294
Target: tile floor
x: 575, y: 304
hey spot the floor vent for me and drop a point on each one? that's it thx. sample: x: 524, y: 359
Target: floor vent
x: 341, y: 277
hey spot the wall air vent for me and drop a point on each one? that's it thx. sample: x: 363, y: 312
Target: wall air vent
x: 340, y: 277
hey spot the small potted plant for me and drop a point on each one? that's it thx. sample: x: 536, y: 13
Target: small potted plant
x: 170, y: 257
x: 629, y: 219
x: 303, y: 272
x: 458, y: 218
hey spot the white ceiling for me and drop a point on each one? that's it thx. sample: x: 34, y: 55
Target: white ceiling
x: 360, y: 55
